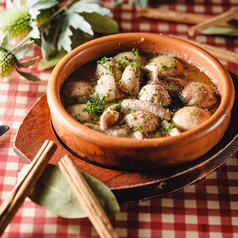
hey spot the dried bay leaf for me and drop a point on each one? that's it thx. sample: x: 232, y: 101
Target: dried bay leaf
x: 47, y: 64
x: 220, y: 30
x: 101, y: 24
x: 53, y: 192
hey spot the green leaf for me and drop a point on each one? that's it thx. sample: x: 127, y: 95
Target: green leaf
x: 78, y: 38
x: 35, y: 6
x: 64, y: 36
x: 46, y: 64
x: 78, y: 22
x: 139, y: 3
x: 34, y: 33
x: 26, y: 64
x: 90, y: 7
x: 75, y: 20
x: 54, y: 57
x: 101, y: 24
x: 53, y: 192
x: 29, y: 76
x: 20, y: 50
x: 50, y: 35
x: 220, y: 30
x: 6, y: 43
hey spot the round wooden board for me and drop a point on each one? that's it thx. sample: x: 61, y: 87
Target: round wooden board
x: 127, y: 186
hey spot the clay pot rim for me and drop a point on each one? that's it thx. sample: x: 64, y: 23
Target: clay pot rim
x: 115, y: 142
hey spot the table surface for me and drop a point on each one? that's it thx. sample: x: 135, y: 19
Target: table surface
x: 207, y: 208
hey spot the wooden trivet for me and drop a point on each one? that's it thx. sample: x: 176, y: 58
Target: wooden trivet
x: 127, y: 186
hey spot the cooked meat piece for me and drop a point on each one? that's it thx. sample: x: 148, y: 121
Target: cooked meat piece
x: 167, y: 65
x: 198, y: 94
x: 76, y: 91
x: 109, y: 117
x: 130, y: 80
x: 117, y: 131
x: 78, y: 112
x: 152, y: 72
x: 172, y: 84
x: 142, y: 121
x: 156, y: 94
x: 134, y: 104
x: 106, y: 88
x: 188, y: 118
x: 171, y: 131
x: 125, y: 58
x: 93, y: 126
x: 108, y: 66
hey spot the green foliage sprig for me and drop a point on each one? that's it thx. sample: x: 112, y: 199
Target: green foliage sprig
x: 57, y: 26
x: 10, y: 59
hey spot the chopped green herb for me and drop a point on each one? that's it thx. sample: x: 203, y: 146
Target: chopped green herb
x: 135, y: 52
x: 94, y: 105
x: 152, y: 99
x: 181, y: 96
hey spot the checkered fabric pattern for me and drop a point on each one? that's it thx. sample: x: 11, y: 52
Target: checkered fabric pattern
x: 208, y: 208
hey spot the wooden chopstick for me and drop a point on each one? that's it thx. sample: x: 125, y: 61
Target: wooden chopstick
x: 87, y: 198
x: 221, y: 18
x: 10, y: 206
x: 221, y: 54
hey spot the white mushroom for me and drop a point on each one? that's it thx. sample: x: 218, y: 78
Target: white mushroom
x: 125, y: 58
x: 156, y: 94
x: 188, y: 118
x: 198, y: 94
x: 167, y: 65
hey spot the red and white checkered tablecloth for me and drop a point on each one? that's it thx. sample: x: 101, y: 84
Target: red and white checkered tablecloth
x: 207, y: 208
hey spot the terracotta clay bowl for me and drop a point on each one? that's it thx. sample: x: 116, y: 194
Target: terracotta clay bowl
x: 132, y: 154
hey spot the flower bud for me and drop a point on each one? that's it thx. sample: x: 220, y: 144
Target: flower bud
x: 7, y: 64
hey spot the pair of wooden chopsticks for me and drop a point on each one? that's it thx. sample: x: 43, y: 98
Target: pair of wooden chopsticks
x: 201, y: 22
x: 76, y: 180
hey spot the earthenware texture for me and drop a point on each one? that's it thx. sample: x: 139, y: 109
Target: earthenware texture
x: 131, y: 154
